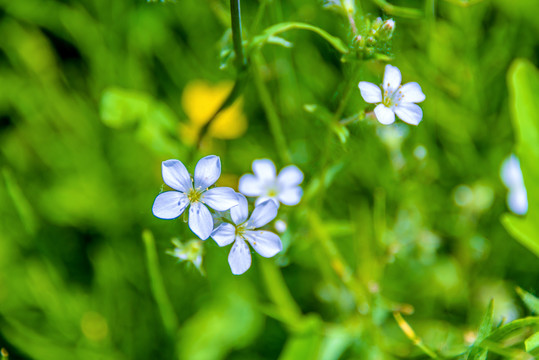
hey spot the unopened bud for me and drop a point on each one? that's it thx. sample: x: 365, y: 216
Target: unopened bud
x: 377, y: 24
x: 389, y: 25
x: 371, y: 41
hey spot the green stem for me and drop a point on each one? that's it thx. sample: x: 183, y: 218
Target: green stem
x: 277, y: 290
x: 259, y: 40
x: 168, y: 316
x: 237, y: 90
x: 398, y: 11
x: 241, y: 69
x: 235, y: 17
x: 339, y: 266
x: 271, y: 113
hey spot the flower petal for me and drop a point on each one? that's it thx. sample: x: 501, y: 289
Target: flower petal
x: 265, y: 198
x: 409, y: 113
x: 264, y: 242
x: 262, y: 214
x: 207, y: 171
x: 240, y: 212
x: 169, y: 205
x: 220, y: 198
x: 264, y: 170
x: 392, y: 79
x: 239, y: 258
x: 250, y: 185
x: 411, y: 92
x: 371, y: 93
x: 384, y: 115
x: 200, y: 220
x: 224, y: 234
x: 517, y: 200
x: 291, y: 196
x: 176, y: 175
x: 290, y: 176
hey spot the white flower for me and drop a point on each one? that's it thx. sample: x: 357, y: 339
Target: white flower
x: 171, y: 204
x: 264, y: 242
x: 511, y: 174
x: 396, y: 99
x: 267, y: 186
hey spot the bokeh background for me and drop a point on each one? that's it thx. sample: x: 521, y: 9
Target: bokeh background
x: 94, y: 94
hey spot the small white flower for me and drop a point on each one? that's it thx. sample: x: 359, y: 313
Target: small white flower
x: 511, y: 174
x: 171, y: 204
x: 396, y: 98
x: 264, y: 242
x: 267, y: 186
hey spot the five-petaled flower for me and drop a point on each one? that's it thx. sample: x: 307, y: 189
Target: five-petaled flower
x: 395, y: 99
x: 267, y: 186
x: 171, y: 204
x: 264, y: 242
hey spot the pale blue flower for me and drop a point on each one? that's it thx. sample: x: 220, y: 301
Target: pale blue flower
x: 511, y: 174
x: 396, y: 98
x: 264, y: 242
x: 266, y: 185
x: 171, y: 204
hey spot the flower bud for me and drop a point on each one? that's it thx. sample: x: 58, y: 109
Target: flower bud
x: 191, y: 252
x: 387, y: 29
x: 389, y: 25
x: 376, y: 24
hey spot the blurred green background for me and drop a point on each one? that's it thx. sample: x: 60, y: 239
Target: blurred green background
x: 394, y: 219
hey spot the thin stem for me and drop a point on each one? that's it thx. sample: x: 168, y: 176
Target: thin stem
x: 398, y: 11
x: 279, y: 293
x: 271, y: 113
x: 237, y: 90
x: 235, y: 17
x: 241, y: 68
x: 339, y: 266
x: 410, y: 334
x: 168, y: 316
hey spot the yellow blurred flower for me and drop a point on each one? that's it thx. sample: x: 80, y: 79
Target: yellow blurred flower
x: 200, y: 100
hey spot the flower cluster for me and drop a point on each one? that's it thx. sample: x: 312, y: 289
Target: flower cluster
x: 392, y: 98
x: 236, y: 225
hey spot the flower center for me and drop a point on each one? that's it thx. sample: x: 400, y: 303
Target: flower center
x: 194, y: 195
x: 272, y: 190
x: 394, y: 98
x: 240, y: 230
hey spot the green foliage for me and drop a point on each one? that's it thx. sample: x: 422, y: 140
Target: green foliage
x: 394, y: 219
x: 523, y: 80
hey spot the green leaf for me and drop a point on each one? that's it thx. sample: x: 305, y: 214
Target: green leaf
x: 272, y: 31
x: 280, y: 41
x: 477, y: 352
x: 507, y: 329
x: 231, y: 321
x: 304, y: 344
x: 531, y: 301
x: 532, y: 342
x: 336, y: 341
x: 523, y: 79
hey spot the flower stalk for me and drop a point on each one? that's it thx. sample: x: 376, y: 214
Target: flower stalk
x: 241, y: 68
